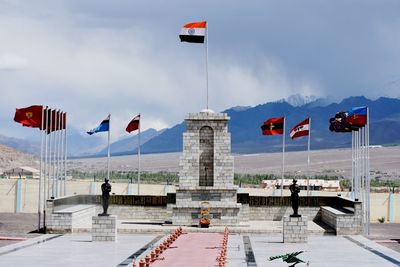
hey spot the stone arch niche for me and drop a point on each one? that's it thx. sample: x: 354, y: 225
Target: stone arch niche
x: 206, y: 160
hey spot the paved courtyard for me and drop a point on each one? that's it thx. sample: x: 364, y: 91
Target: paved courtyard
x: 251, y: 246
x: 243, y: 250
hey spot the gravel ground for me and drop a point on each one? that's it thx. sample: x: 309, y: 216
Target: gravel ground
x: 17, y: 225
x: 386, y: 234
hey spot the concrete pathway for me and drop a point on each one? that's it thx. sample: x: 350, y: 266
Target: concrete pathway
x: 192, y: 249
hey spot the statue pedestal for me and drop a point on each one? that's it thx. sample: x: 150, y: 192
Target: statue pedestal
x: 104, y: 228
x: 295, y: 229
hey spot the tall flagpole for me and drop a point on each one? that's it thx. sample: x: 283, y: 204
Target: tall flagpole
x: 206, y: 47
x: 352, y: 166
x: 51, y: 153
x: 108, y: 152
x: 58, y: 152
x: 61, y: 156
x: 368, y: 179
x: 139, y: 156
x: 40, y: 174
x: 283, y: 155
x: 45, y: 178
x: 54, y: 133
x: 65, y: 154
x: 308, y: 157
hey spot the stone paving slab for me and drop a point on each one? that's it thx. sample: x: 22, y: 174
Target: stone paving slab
x: 76, y: 250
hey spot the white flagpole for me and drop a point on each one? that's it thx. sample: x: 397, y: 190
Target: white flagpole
x: 50, y: 154
x: 45, y: 176
x: 368, y: 178
x: 41, y: 173
x: 139, y: 155
x: 363, y: 177
x: 308, y: 157
x: 206, y: 47
x: 352, y: 165
x: 358, y: 165
x: 60, y: 157
x: 58, y: 152
x: 283, y: 155
x: 108, y: 152
x: 46, y: 156
x: 48, y: 145
x: 65, y: 154
x: 355, y: 165
x: 55, y: 140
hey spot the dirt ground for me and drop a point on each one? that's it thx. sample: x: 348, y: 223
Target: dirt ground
x: 20, y: 225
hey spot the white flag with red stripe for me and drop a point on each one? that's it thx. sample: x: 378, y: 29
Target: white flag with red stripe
x: 301, y: 129
x: 193, y: 32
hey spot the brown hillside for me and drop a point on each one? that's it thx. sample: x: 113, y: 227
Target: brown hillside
x: 11, y: 158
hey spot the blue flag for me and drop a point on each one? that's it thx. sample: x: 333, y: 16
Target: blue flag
x: 103, y: 127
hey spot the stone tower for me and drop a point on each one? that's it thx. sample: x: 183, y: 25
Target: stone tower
x: 206, y: 172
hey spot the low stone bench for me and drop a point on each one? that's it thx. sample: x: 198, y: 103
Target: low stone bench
x: 343, y: 220
x: 68, y: 219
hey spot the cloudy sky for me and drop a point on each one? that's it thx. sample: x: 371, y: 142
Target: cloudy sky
x: 94, y: 57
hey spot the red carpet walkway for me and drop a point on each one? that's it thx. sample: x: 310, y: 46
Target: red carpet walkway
x: 192, y: 249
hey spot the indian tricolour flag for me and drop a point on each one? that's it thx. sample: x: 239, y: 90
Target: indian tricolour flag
x: 193, y: 32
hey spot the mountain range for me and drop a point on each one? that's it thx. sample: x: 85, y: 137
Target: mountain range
x: 245, y: 123
x: 244, y: 126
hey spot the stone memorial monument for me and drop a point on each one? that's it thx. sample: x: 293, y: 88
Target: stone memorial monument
x: 206, y: 172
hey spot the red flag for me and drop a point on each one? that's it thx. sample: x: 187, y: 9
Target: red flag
x: 30, y: 116
x: 273, y: 126
x: 53, y: 121
x: 64, y: 121
x: 134, y: 124
x: 301, y: 129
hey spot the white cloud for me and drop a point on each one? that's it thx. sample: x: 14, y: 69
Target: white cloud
x: 89, y: 60
x: 10, y: 62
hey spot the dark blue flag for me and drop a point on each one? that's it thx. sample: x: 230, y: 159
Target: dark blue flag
x: 103, y: 127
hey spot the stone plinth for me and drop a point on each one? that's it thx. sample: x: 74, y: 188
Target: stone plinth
x: 104, y: 228
x: 295, y: 229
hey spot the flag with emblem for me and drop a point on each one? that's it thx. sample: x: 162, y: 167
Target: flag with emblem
x: 194, y: 32
x: 273, y: 126
x: 357, y: 116
x: 29, y: 116
x: 301, y: 129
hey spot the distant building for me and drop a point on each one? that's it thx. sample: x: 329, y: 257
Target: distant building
x: 315, y: 184
x: 23, y: 172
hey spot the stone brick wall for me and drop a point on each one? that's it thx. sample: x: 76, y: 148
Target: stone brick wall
x: 295, y: 229
x: 159, y: 214
x: 277, y: 213
x: 345, y: 222
x: 104, y: 228
x: 68, y: 219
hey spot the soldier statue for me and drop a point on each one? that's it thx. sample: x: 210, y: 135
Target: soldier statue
x: 105, y: 195
x: 295, y: 190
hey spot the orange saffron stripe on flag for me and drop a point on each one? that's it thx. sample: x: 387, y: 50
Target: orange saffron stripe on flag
x: 201, y: 24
